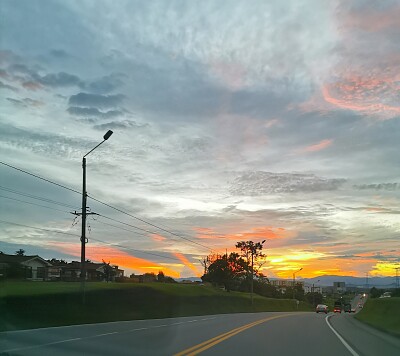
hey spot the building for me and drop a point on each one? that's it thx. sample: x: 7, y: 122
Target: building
x: 33, y: 268
x: 339, y: 287
x: 94, y: 272
x: 282, y: 284
x: 309, y: 288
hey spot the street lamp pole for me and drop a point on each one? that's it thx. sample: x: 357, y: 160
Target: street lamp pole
x: 84, y: 213
x: 294, y: 280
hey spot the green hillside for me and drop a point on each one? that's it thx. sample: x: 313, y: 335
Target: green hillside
x: 382, y: 313
x: 31, y: 305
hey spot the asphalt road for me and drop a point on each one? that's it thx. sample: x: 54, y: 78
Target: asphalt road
x: 230, y: 334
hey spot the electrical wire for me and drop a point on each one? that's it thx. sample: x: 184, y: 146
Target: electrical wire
x: 38, y: 228
x: 27, y: 202
x: 110, y: 206
x: 39, y: 177
x: 149, y: 223
x: 27, y: 195
x: 91, y: 238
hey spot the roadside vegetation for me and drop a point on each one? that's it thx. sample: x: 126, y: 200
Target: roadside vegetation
x: 382, y: 313
x: 25, y: 305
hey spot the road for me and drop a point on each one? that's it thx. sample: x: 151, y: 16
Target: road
x: 229, y: 334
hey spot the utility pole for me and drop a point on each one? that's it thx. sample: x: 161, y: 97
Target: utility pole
x: 366, y: 280
x: 294, y: 280
x: 397, y: 277
x: 84, y: 214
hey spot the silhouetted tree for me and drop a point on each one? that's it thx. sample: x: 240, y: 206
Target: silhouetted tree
x: 161, y: 276
x: 20, y: 252
x: 109, y: 271
x: 252, y: 253
x: 226, y: 270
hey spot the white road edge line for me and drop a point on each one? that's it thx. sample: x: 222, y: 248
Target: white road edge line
x: 343, y: 341
x: 37, y: 346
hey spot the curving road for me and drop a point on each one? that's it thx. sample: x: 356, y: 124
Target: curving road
x: 229, y: 334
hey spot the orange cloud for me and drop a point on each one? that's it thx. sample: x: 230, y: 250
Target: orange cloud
x: 256, y: 233
x: 318, y: 146
x: 187, y: 263
x: 115, y: 257
x: 158, y: 238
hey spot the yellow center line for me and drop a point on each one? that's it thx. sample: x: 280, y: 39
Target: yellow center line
x: 194, y: 350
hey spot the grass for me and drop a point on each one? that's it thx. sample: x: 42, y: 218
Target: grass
x: 25, y: 305
x: 382, y: 313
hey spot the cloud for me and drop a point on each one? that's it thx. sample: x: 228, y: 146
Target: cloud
x: 96, y: 100
x: 79, y: 111
x: 27, y: 102
x: 318, y: 146
x: 9, y: 87
x: 30, y: 85
x: 379, y: 186
x: 125, y: 124
x: 263, y: 183
x: 106, y: 84
x: 60, y: 79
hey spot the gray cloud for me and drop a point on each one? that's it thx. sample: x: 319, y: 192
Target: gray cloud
x: 125, y: 124
x: 26, y: 102
x: 79, y: 111
x: 263, y: 183
x: 105, y: 84
x: 9, y: 87
x: 378, y: 186
x: 60, y: 79
x: 96, y: 100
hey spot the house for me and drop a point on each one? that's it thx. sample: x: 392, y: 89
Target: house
x: 32, y: 268
x: 94, y: 272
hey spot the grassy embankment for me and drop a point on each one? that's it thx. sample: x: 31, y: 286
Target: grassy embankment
x: 26, y: 305
x: 382, y: 313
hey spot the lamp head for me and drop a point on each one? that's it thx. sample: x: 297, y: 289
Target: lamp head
x: 107, y: 135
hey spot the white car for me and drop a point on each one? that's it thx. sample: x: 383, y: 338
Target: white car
x: 321, y: 308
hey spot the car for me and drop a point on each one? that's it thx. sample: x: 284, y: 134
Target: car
x: 347, y: 308
x: 322, y: 308
x: 353, y: 310
x: 337, y: 309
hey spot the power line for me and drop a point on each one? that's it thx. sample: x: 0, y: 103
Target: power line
x: 44, y: 199
x: 120, y: 227
x: 38, y: 228
x: 27, y: 202
x: 149, y: 223
x: 39, y: 177
x: 107, y: 243
x: 110, y: 206
x: 131, y: 249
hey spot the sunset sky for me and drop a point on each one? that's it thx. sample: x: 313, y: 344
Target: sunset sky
x: 232, y: 120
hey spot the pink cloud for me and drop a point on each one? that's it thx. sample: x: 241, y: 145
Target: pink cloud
x: 318, y: 146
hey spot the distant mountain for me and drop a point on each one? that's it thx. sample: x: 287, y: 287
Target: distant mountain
x: 193, y: 279
x: 388, y: 282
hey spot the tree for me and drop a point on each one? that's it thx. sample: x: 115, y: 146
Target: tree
x: 252, y: 252
x: 109, y: 271
x: 20, y: 252
x: 161, y: 276
x: 57, y: 262
x: 375, y: 292
x: 206, y: 261
x: 226, y: 270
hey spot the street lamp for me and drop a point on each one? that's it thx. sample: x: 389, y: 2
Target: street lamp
x: 294, y: 279
x: 83, y: 234
x: 312, y: 291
